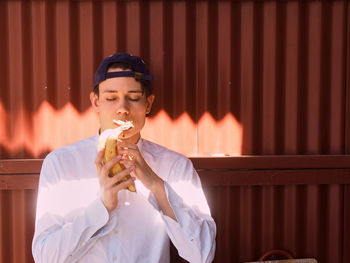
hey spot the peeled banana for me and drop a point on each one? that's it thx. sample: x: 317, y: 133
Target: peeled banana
x: 108, y: 140
x: 111, y: 152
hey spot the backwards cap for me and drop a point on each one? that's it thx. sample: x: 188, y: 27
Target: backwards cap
x: 139, y: 69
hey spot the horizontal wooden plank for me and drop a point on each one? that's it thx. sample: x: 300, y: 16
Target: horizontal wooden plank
x: 14, y: 166
x: 272, y: 162
x: 20, y: 166
x: 19, y: 181
x: 274, y: 177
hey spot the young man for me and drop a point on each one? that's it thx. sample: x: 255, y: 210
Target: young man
x: 83, y: 215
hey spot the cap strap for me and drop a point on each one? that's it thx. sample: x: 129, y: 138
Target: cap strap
x: 132, y: 74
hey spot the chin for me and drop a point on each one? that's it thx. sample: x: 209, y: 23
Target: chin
x: 131, y: 137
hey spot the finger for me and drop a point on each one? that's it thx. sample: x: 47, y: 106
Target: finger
x: 128, y: 162
x: 127, y: 145
x: 129, y: 153
x: 108, y: 166
x: 116, y: 178
x: 99, y: 159
x: 123, y: 185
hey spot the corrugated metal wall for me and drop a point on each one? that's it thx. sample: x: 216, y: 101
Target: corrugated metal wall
x: 17, y: 208
x: 306, y: 220
x: 230, y: 77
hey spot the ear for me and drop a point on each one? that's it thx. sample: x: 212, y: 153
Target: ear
x: 150, y: 100
x: 94, y: 101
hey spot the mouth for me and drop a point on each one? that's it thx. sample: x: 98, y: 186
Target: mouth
x: 126, y: 124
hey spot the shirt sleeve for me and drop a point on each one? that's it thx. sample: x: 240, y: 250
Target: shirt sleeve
x: 64, y: 236
x: 195, y: 230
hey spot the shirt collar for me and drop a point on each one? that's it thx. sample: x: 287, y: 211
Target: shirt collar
x: 140, y: 144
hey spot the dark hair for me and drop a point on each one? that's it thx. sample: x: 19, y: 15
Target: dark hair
x: 145, y: 84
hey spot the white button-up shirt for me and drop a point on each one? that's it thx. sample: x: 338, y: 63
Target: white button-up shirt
x: 73, y: 225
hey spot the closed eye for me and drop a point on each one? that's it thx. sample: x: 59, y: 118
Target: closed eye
x: 134, y: 99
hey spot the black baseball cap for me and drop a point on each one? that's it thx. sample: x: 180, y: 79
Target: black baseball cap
x: 139, y: 72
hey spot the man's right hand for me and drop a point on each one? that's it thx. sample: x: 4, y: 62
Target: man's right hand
x: 110, y: 186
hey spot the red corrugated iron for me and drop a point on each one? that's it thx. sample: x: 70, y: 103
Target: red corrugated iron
x: 231, y: 77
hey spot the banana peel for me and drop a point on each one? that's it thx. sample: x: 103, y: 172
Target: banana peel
x: 111, y: 152
x: 108, y: 140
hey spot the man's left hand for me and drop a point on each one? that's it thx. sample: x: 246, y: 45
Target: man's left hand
x: 133, y: 157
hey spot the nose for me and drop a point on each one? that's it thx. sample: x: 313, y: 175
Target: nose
x: 123, y: 107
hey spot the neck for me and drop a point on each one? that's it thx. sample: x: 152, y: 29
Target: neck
x: 134, y: 139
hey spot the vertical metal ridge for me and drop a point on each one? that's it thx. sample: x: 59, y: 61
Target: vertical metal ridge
x: 291, y: 120
x: 346, y: 218
x: 86, y: 48
x: 347, y: 78
x: 30, y: 197
x: 325, y: 82
x: 257, y: 106
x: 133, y: 25
x: 158, y: 52
x: 168, y: 86
x: 289, y: 212
x: 213, y: 100
x: 75, y: 42
x: 145, y: 30
x: 313, y: 81
x: 18, y: 225
x: 7, y: 235
x: 202, y: 62
x: 97, y: 17
x: 179, y: 69
x: 280, y: 78
x: 190, y: 57
x: 236, y: 60
x: 338, y: 79
x: 247, y: 14
x: 4, y: 73
x: 51, y: 55
x: 302, y: 75
x: 268, y: 80
x: 108, y: 29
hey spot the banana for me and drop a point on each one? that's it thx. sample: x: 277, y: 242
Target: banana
x: 108, y: 140
x: 111, y: 152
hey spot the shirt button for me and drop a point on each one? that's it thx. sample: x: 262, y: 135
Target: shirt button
x: 115, y: 232
x: 114, y: 258
x: 83, y: 244
x: 180, y: 225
